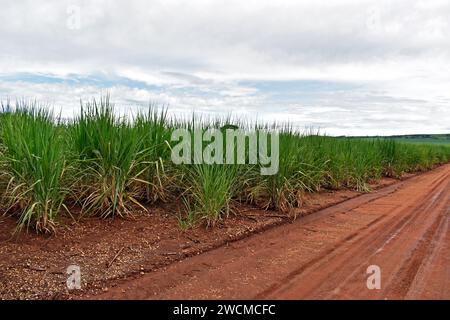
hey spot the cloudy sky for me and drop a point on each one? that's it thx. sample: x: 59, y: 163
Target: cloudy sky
x: 347, y: 67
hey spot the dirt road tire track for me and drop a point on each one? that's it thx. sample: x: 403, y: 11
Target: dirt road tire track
x: 404, y: 229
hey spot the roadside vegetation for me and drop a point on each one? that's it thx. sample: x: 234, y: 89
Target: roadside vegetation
x: 113, y: 166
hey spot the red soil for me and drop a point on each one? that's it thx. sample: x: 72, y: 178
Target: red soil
x: 403, y: 229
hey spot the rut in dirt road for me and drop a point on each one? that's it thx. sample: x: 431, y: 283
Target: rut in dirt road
x: 403, y: 229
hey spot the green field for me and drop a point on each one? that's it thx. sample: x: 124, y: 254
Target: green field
x: 111, y: 166
x: 417, y: 138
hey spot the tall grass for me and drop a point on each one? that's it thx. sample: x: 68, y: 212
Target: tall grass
x: 301, y: 169
x: 311, y: 162
x: 153, y: 128
x: 209, y: 191
x: 111, y: 165
x: 33, y: 157
x: 108, y: 154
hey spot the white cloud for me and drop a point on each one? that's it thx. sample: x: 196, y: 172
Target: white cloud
x: 397, y: 52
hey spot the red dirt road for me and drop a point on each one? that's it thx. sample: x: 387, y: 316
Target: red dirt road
x: 403, y: 229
